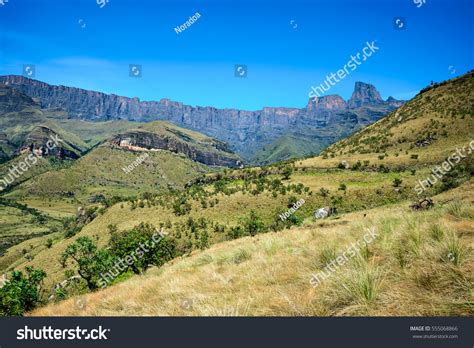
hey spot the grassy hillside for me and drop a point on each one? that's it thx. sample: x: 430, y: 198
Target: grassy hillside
x: 285, y: 148
x: 308, y: 140
x: 96, y: 132
x: 222, y: 210
x: 100, y: 172
x: 161, y: 135
x: 426, y: 130
x: 421, y: 263
x: 20, y: 223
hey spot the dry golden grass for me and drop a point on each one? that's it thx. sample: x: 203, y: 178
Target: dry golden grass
x: 444, y: 114
x: 361, y: 187
x: 407, y: 270
x: 426, y: 157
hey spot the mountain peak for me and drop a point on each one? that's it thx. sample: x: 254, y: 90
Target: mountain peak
x: 364, y: 93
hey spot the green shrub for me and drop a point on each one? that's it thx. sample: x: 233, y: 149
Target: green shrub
x: 88, y: 260
x: 20, y: 293
x: 292, y: 200
x: 323, y: 192
x: 145, y: 245
x: 397, y: 182
x: 236, y: 232
x: 49, y: 243
x: 253, y: 224
x: 287, y: 171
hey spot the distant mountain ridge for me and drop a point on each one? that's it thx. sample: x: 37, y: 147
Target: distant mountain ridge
x: 440, y: 117
x: 245, y: 131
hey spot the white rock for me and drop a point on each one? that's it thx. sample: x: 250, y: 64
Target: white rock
x: 322, y: 213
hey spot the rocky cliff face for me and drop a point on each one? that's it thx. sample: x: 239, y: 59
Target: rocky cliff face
x: 37, y: 140
x: 12, y: 100
x: 245, y: 131
x: 139, y: 140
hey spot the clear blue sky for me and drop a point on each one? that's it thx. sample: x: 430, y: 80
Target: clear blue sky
x: 197, y: 66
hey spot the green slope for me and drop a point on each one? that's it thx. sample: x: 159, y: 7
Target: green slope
x: 438, y: 118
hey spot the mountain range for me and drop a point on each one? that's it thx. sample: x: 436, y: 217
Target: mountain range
x: 262, y: 136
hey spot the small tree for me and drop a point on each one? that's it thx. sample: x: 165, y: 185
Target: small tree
x: 323, y: 192
x: 292, y: 200
x: 204, y: 240
x: 287, y: 171
x: 253, y: 224
x: 90, y: 261
x: 21, y: 293
x: 236, y: 232
x: 145, y: 244
x: 49, y: 243
x: 181, y: 206
x: 397, y: 182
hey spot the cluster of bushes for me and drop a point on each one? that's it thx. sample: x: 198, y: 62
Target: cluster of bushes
x: 144, y: 244
x: 253, y: 224
x: 283, y: 168
x: 250, y: 182
x: 461, y: 172
x: 193, y: 233
x: 21, y: 292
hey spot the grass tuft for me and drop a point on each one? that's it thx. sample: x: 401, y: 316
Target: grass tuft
x: 436, y: 232
x: 454, y: 252
x: 240, y: 256
x: 459, y: 210
x: 362, y: 285
x: 328, y: 253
